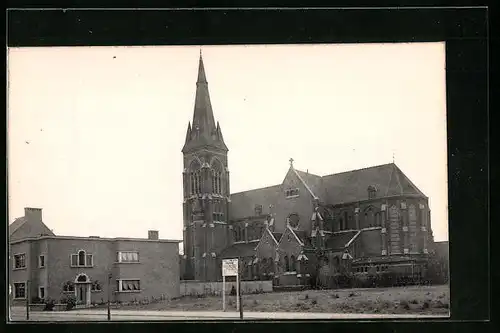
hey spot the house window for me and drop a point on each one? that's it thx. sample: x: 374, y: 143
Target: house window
x: 20, y: 290
x: 41, y: 261
x: 128, y: 285
x: 96, y: 286
x: 20, y: 261
x: 41, y: 292
x: 287, y: 264
x: 128, y: 256
x: 258, y: 210
x: 292, y: 192
x: 82, y: 259
x: 69, y: 287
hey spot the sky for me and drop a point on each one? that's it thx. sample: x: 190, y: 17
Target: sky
x: 95, y: 133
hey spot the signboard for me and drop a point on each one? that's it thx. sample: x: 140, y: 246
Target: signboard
x: 230, y: 267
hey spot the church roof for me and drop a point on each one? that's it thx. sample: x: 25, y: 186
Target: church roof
x: 338, y: 241
x: 239, y: 250
x: 352, y: 186
x: 277, y: 235
x: 243, y: 203
x: 311, y: 181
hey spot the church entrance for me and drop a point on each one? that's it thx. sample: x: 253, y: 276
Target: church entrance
x: 82, y: 291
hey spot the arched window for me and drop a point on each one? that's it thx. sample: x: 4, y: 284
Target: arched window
x: 293, y: 264
x: 336, y: 261
x: 395, y: 238
x: 82, y: 278
x: 378, y: 219
x: 81, y: 258
x: 369, y: 217
x: 287, y: 264
x: 270, y: 265
x: 412, y: 214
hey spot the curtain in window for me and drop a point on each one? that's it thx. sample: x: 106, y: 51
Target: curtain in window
x: 19, y: 290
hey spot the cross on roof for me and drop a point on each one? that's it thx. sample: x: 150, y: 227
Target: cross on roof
x: 291, y: 161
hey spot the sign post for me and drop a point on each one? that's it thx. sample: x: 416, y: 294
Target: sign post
x: 109, y: 296
x: 27, y: 294
x: 230, y: 268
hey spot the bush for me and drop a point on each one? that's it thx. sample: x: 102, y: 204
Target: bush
x: 343, y: 280
x: 36, y: 300
x: 70, y: 302
x: 49, y: 305
x: 405, y: 305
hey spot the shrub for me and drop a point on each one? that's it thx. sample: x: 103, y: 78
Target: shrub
x: 49, y: 305
x: 70, y: 302
x: 405, y: 305
x: 344, y: 280
x: 36, y: 300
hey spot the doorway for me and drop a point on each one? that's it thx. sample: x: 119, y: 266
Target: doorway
x: 82, y: 290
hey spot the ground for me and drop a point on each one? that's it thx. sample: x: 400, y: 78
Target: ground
x: 432, y: 300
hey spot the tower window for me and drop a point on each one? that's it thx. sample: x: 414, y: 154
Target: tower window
x: 195, y: 180
x: 218, y: 211
x: 216, y: 182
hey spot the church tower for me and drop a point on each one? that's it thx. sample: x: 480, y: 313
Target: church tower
x: 206, y: 188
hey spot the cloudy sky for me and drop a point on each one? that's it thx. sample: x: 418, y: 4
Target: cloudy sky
x: 95, y: 133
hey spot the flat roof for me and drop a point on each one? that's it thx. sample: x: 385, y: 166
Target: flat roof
x: 96, y: 238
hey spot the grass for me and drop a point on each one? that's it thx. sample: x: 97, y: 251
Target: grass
x: 400, y: 300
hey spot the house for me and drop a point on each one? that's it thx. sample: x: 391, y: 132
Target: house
x: 46, y: 265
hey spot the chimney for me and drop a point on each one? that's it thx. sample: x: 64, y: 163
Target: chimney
x: 153, y: 234
x: 34, y: 214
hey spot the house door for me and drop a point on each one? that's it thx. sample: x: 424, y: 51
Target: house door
x: 82, y: 294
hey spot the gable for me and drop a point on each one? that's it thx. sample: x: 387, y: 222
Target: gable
x: 28, y: 229
x: 267, y: 245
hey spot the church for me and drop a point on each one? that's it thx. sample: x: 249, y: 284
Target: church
x: 305, y: 227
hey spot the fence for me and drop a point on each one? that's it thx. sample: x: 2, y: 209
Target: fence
x: 196, y: 288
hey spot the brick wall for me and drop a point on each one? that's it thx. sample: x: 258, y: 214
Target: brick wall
x: 158, y: 269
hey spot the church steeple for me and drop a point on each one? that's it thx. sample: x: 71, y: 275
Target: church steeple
x: 204, y: 130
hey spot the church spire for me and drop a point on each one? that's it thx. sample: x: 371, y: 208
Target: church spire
x: 201, y: 71
x: 204, y: 130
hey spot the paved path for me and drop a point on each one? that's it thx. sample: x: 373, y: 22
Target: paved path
x: 141, y: 315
